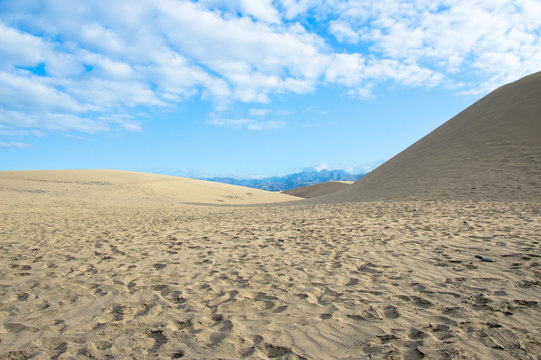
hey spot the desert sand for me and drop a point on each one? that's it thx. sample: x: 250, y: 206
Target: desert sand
x: 109, y: 187
x: 311, y: 191
x: 491, y: 150
x: 98, y: 264
x: 351, y: 281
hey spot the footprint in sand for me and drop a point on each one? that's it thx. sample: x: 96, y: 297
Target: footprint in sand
x: 441, y: 331
x: 418, y: 287
x: 23, y: 296
x: 100, y: 292
x: 222, y: 333
x: 16, y: 328
x: 383, y: 339
x: 159, y: 339
x: 159, y: 266
x: 251, y: 350
x: 177, y: 354
x: 421, y: 302
x: 58, y: 325
x: 415, y: 334
x: 274, y: 351
x: 176, y: 325
x: 391, y: 312
x: 280, y: 309
x: 163, y: 289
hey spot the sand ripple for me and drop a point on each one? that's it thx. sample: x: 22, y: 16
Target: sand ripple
x: 380, y: 280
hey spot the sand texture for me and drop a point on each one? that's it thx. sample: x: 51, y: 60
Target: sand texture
x: 490, y: 151
x: 122, y: 188
x: 343, y: 281
x: 312, y: 191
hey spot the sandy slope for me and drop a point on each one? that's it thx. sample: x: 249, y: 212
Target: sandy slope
x: 325, y: 188
x: 348, y: 281
x: 491, y: 150
x: 109, y: 187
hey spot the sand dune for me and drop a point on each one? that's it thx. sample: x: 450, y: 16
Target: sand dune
x: 491, y: 150
x: 110, y: 187
x: 311, y: 191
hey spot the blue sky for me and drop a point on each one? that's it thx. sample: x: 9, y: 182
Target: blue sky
x: 249, y: 87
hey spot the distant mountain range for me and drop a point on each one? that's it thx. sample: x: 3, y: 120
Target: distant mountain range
x: 290, y: 181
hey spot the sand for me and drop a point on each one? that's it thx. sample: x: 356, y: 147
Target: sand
x: 312, y: 191
x: 381, y: 280
x: 124, y: 188
x: 489, y: 151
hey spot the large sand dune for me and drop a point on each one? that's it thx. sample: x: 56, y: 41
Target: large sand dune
x: 491, y: 150
x: 316, y: 190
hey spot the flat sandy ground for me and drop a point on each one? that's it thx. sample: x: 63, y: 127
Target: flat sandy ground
x: 366, y: 280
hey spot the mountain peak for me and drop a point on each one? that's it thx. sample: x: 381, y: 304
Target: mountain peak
x: 290, y: 181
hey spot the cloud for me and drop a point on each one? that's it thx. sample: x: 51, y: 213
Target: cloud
x: 363, y: 168
x: 50, y: 122
x: 261, y: 10
x: 20, y: 48
x: 259, y: 112
x: 13, y: 145
x: 322, y: 166
x: 500, y: 41
x: 23, y: 123
x: 254, y: 58
x: 81, y: 63
x: 249, y: 124
x: 343, y: 32
x: 359, y: 73
x: 123, y: 121
x: 160, y: 55
x: 297, y: 8
x: 23, y: 91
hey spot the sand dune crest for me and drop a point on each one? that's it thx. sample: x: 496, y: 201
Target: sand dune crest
x: 109, y: 187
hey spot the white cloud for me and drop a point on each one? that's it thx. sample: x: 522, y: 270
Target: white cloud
x: 13, y: 145
x: 249, y: 124
x: 124, y: 121
x: 296, y: 8
x: 50, y: 122
x: 259, y: 112
x: 105, y: 93
x: 500, y: 40
x: 346, y: 69
x: 254, y: 58
x: 23, y: 91
x: 359, y: 73
x: 97, y: 37
x: 20, y: 48
x: 261, y: 10
x: 343, y: 32
x: 322, y: 166
x: 24, y: 123
x: 160, y: 53
x: 363, y: 168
